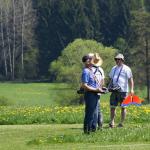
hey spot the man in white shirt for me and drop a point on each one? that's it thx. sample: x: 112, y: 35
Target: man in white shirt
x: 120, y: 75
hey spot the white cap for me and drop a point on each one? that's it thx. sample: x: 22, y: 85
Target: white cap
x: 120, y: 56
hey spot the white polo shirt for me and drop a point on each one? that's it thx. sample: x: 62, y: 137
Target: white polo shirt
x: 125, y: 75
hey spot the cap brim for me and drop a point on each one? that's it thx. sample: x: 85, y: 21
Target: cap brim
x: 119, y: 58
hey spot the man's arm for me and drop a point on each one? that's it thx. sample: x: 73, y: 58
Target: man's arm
x: 102, y: 82
x: 89, y: 88
x: 131, y: 85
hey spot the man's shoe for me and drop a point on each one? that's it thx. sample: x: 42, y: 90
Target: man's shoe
x: 111, y: 125
x: 86, y: 132
x: 93, y: 129
x: 100, y: 127
x: 120, y: 125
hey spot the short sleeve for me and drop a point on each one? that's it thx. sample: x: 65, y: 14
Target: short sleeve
x: 129, y: 73
x: 85, y: 76
x: 111, y: 73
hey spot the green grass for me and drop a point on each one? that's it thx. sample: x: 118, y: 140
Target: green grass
x: 66, y: 115
x: 45, y: 137
x: 29, y: 94
x: 34, y: 103
x: 41, y: 94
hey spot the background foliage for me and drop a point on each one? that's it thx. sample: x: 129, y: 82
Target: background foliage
x: 68, y: 67
x: 33, y: 34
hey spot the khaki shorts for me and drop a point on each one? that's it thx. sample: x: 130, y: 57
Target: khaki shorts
x: 116, y: 98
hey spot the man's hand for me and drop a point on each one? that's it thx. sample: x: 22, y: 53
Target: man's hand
x: 131, y: 86
x: 132, y: 92
x: 99, y: 90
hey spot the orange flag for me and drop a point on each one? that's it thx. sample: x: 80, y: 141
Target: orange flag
x: 132, y: 100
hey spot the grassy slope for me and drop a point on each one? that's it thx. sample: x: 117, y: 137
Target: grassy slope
x: 29, y: 94
x: 18, y: 137
x: 32, y: 93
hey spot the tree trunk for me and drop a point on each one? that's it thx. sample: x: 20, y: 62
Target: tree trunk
x: 8, y: 39
x: 22, y: 40
x: 14, y: 41
x: 3, y: 43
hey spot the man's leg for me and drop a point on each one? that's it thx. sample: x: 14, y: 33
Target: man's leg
x: 112, y: 116
x: 91, y: 100
x: 95, y: 118
x: 100, y: 117
x: 123, y: 109
x: 113, y: 105
x: 123, y: 115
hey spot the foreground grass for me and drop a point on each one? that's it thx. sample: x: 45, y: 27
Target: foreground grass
x: 135, y: 134
x: 47, y: 137
x: 66, y: 115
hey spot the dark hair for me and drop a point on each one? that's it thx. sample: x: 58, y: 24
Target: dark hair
x: 85, y: 58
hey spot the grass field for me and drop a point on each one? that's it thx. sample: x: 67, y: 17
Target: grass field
x: 29, y: 94
x: 33, y: 94
x: 37, y: 137
x: 52, y: 127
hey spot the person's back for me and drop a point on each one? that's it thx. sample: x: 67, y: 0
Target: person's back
x: 99, y: 73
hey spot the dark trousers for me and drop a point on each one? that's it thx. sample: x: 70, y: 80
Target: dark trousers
x: 91, y: 102
x: 98, y: 117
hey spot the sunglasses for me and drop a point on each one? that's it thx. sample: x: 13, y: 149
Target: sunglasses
x: 88, y: 59
x: 117, y: 59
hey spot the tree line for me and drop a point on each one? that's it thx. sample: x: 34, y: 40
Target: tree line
x: 17, y: 19
x: 34, y: 33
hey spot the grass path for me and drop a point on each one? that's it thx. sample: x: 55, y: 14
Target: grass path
x: 17, y: 137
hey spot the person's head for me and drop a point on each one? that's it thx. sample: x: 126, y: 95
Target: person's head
x: 96, y: 59
x: 119, y: 59
x: 86, y: 59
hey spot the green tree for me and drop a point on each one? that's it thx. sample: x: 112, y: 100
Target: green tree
x: 31, y: 64
x: 121, y: 45
x: 140, y: 47
x: 135, y: 4
x: 60, y: 22
x: 68, y: 67
x: 17, y: 22
x: 120, y: 13
x: 147, y: 5
x: 114, y: 20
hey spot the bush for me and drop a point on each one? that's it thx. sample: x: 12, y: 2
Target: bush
x: 68, y: 67
x: 68, y: 98
x: 4, y: 101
